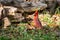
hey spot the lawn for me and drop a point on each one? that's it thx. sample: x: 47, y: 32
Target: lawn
x: 21, y: 33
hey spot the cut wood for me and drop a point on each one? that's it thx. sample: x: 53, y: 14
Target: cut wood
x: 6, y: 22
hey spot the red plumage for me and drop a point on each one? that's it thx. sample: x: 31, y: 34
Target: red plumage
x: 36, y: 21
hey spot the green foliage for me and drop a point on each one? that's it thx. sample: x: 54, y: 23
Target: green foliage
x: 21, y: 33
x: 4, y: 38
x: 57, y: 11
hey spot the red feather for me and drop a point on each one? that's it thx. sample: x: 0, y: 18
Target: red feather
x: 36, y: 21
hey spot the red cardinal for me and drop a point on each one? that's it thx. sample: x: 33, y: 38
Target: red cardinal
x: 36, y: 21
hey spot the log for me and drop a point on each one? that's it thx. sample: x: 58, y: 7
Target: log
x: 5, y: 12
x: 6, y: 22
x: 26, y: 6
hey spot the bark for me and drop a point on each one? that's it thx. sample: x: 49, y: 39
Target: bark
x: 26, y: 6
x: 6, y: 22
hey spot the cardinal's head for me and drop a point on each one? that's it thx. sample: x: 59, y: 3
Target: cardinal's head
x: 36, y: 14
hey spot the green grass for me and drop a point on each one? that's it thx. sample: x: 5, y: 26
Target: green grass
x: 57, y: 11
x: 21, y: 33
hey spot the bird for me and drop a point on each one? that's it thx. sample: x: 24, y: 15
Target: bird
x: 36, y: 23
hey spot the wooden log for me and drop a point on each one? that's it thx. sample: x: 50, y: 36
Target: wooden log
x: 5, y: 12
x: 24, y: 5
x: 6, y: 22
